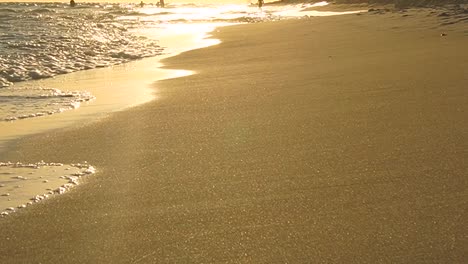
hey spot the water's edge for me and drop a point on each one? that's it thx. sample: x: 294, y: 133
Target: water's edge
x: 116, y: 88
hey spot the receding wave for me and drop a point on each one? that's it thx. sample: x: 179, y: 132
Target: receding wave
x: 7, y: 10
x: 42, y: 10
x: 16, y: 103
x: 42, y: 42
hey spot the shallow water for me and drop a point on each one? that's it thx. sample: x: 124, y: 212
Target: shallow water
x: 21, y: 103
x: 44, y: 40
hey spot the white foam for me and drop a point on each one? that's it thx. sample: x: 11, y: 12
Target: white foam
x: 21, y: 103
x: 23, y: 184
x: 32, y: 47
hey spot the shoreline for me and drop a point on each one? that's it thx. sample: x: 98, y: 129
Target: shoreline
x: 109, y: 85
x: 303, y: 140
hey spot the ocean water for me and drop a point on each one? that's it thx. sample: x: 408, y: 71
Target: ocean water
x: 51, y: 54
x: 44, y: 40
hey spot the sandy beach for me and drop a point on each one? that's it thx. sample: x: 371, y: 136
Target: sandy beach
x: 318, y: 140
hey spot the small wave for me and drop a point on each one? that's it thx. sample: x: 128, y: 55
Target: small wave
x: 249, y: 19
x: 18, y: 103
x: 7, y: 10
x: 42, y: 10
x: 126, y: 55
x: 129, y: 13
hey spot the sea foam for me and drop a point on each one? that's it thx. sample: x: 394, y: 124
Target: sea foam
x: 21, y: 103
x: 42, y: 41
x: 23, y: 184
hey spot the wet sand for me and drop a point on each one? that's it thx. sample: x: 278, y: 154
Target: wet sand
x: 323, y: 140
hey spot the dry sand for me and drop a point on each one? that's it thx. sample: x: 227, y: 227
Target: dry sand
x: 323, y: 140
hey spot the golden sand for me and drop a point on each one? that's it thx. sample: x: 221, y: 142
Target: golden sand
x: 322, y: 140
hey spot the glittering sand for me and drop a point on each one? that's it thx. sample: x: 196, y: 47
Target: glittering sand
x: 321, y: 140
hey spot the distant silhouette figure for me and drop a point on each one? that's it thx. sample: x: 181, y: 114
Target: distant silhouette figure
x: 260, y: 3
x: 142, y: 4
x: 72, y: 3
x: 161, y: 3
